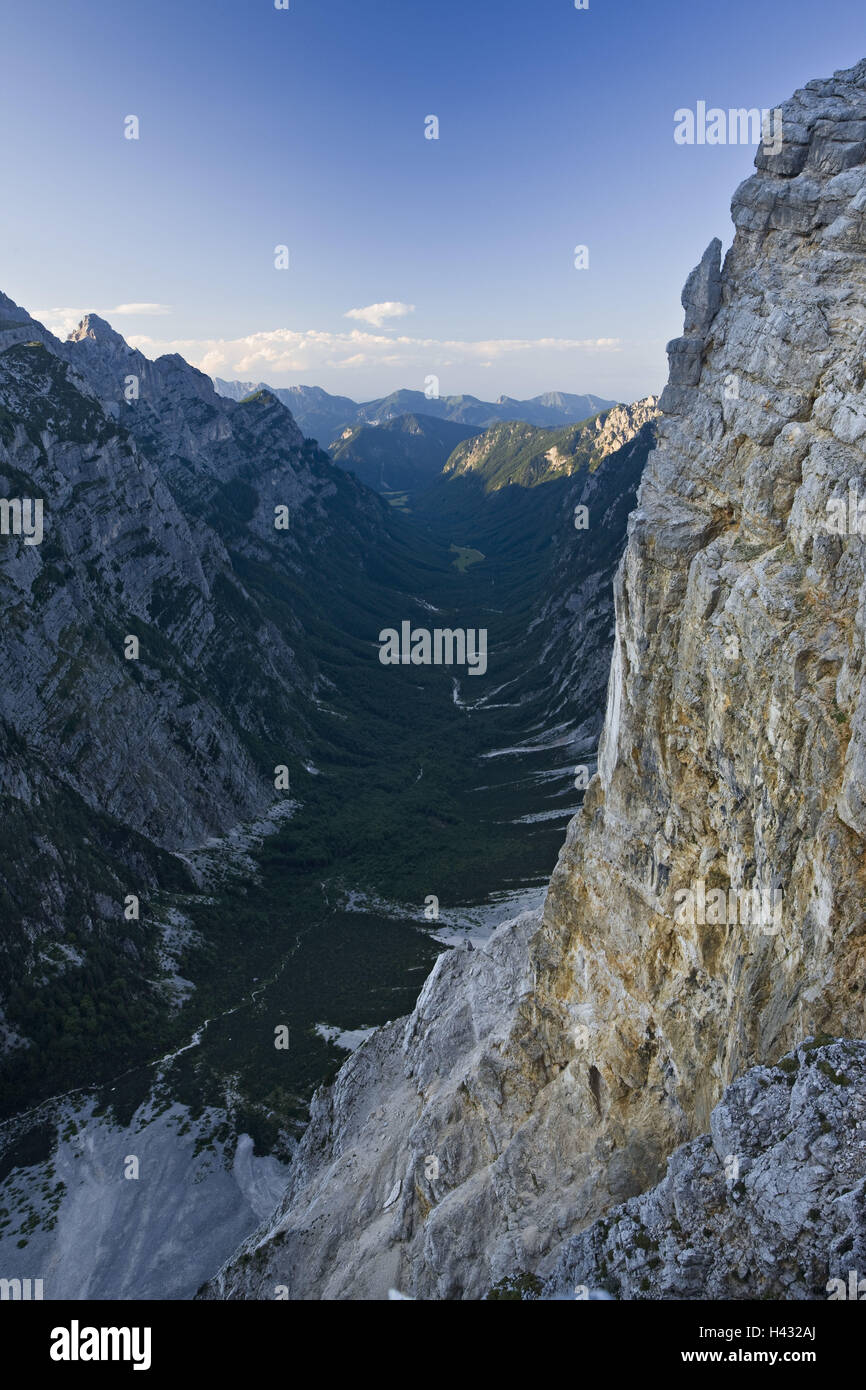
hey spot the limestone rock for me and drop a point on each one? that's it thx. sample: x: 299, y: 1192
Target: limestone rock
x: 769, y: 1204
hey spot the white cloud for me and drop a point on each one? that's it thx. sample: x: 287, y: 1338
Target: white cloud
x: 267, y: 355
x: 145, y: 310
x: 364, y: 362
x: 378, y: 313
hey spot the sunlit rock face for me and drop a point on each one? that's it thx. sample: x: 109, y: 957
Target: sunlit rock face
x: 707, y: 910
x: 732, y: 756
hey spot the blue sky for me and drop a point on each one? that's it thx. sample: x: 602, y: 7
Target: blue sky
x: 305, y: 127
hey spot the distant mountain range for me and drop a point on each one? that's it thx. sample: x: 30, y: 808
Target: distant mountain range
x: 322, y: 416
x: 318, y: 415
x: 409, y: 454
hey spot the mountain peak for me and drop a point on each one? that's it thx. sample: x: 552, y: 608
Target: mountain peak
x: 96, y: 328
x: 12, y: 311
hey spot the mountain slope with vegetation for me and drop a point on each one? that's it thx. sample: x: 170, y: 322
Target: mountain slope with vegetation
x: 402, y: 455
x: 525, y: 455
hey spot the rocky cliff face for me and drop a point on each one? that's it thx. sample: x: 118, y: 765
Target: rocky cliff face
x: 769, y: 1204
x: 157, y: 740
x: 160, y: 507
x: 545, y: 1079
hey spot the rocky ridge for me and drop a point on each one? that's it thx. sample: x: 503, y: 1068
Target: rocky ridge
x: 517, y: 452
x: 144, y: 740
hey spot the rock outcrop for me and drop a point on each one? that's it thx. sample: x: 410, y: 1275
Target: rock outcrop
x: 548, y: 1078
x: 769, y: 1204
